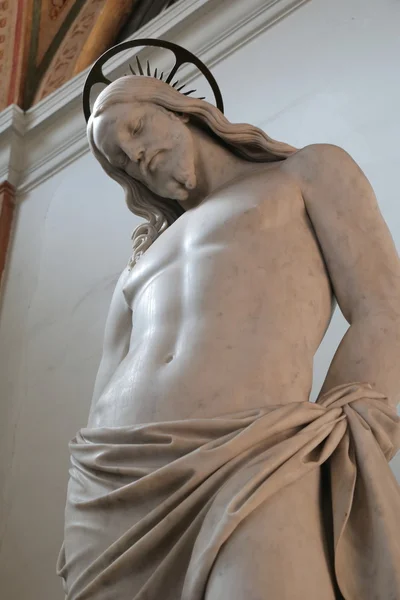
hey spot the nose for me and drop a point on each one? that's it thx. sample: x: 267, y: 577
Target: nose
x: 138, y: 155
x: 134, y: 152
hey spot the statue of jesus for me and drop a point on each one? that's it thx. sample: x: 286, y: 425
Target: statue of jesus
x: 204, y: 472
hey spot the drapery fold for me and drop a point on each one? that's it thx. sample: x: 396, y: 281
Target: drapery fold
x: 149, y: 506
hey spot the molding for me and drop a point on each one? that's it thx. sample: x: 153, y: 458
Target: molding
x: 14, y: 117
x: 36, y: 144
x: 12, y: 133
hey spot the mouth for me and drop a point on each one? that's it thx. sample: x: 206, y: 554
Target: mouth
x: 182, y: 184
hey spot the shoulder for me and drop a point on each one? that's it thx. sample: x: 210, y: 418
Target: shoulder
x: 317, y: 163
x: 321, y: 152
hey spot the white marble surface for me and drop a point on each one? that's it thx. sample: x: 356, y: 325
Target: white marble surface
x: 329, y: 74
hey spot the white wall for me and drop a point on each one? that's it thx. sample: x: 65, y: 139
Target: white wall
x: 71, y: 240
x: 326, y: 73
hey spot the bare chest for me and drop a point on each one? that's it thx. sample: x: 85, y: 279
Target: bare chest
x: 260, y: 223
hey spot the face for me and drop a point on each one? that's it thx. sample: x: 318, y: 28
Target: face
x: 151, y: 144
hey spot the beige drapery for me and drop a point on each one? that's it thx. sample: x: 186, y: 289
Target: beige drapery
x: 149, y: 506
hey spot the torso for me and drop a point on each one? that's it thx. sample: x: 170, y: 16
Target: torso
x: 228, y: 305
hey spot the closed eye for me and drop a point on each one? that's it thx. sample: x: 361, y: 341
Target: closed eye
x: 137, y: 127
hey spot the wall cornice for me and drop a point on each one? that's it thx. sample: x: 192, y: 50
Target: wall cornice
x: 36, y: 144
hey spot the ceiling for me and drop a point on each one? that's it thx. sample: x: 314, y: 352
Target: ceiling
x: 44, y: 43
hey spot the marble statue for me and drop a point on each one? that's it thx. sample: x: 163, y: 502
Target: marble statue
x: 204, y: 472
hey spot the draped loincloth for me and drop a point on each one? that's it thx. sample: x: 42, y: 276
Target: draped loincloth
x: 149, y: 506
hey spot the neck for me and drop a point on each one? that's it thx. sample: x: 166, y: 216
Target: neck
x: 216, y: 166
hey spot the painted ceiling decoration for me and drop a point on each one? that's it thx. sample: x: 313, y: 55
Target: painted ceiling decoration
x: 50, y: 16
x: 14, y: 41
x: 44, y: 43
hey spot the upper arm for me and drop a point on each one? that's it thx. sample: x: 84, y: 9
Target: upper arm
x: 117, y: 336
x: 356, y: 243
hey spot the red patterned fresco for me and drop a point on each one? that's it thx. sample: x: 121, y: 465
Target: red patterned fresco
x: 62, y: 65
x: 11, y: 15
x: 56, y: 7
x: 36, y: 60
x: 52, y: 15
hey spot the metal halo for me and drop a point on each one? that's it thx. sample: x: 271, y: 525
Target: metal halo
x: 182, y: 56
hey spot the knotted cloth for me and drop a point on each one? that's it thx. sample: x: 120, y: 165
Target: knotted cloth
x: 149, y: 506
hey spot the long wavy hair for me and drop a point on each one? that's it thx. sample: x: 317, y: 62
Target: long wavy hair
x: 247, y: 141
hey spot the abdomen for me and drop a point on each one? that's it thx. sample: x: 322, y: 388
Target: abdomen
x: 222, y: 330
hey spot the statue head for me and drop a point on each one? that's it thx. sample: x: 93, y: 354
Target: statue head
x: 141, y: 132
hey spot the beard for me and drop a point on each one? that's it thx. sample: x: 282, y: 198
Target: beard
x: 174, y: 178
